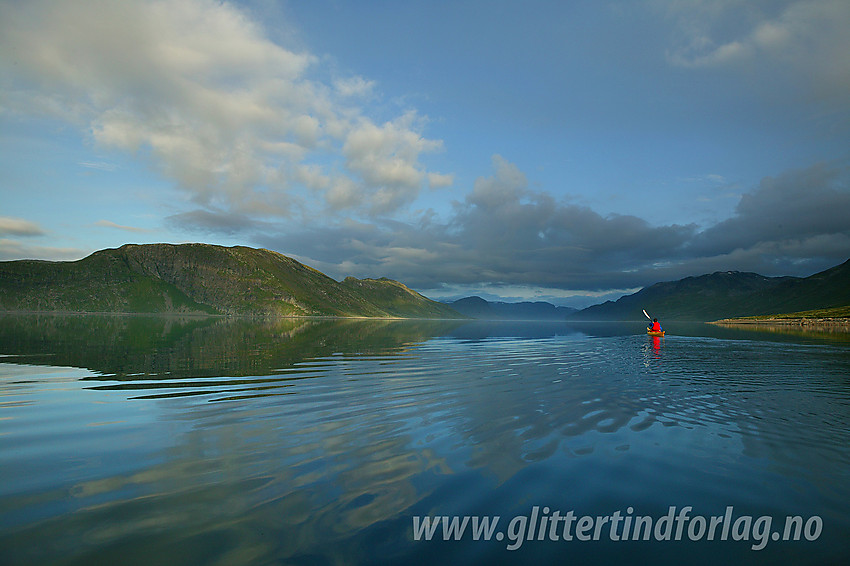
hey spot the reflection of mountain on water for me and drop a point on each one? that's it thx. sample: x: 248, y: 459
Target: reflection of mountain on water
x: 122, y: 347
x: 125, y: 346
x: 478, y: 330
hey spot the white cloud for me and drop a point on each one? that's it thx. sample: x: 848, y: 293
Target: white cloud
x: 343, y: 193
x: 110, y: 224
x: 805, y: 40
x: 19, y: 227
x: 199, y: 89
x: 98, y: 165
x: 354, y: 86
x: 440, y: 181
x: 386, y: 158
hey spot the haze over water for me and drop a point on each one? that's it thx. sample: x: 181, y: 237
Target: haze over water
x: 142, y: 440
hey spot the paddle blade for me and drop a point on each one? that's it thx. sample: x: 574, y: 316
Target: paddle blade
x: 646, y: 315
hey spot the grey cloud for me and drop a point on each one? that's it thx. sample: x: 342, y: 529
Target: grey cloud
x: 213, y: 222
x: 785, y: 211
x: 505, y: 234
x: 536, y: 239
x: 502, y: 233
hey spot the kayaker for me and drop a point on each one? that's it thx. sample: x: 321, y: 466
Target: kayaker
x: 656, y: 326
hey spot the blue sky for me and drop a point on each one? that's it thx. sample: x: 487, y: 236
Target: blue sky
x: 563, y: 151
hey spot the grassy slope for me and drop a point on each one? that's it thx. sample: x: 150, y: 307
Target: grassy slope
x: 243, y: 280
x: 98, y: 283
x: 397, y: 299
x: 836, y: 312
x: 824, y: 290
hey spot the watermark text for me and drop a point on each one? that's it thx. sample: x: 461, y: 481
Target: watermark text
x: 677, y: 524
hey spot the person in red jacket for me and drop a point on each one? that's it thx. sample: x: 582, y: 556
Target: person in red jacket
x: 656, y: 326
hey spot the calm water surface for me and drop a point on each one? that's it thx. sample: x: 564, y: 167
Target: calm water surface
x: 135, y: 440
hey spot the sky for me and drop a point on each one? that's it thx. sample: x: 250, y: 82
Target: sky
x: 567, y: 151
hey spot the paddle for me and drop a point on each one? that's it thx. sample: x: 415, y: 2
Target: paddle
x: 649, y: 317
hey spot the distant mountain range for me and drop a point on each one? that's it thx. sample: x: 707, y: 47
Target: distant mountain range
x: 476, y: 307
x: 723, y: 294
x: 727, y: 294
x: 202, y: 279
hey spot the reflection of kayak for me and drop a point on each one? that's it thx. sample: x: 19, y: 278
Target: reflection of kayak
x: 655, y: 332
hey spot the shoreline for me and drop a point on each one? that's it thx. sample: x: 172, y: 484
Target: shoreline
x: 804, y: 322
x: 200, y: 315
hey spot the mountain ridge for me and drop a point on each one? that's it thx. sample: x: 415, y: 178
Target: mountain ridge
x: 202, y: 279
x: 727, y: 294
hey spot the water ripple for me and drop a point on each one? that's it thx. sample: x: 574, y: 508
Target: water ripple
x: 327, y: 452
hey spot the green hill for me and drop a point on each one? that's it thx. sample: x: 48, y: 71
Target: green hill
x: 203, y: 279
x: 729, y: 294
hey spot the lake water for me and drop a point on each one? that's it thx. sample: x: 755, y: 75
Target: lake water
x: 142, y: 440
